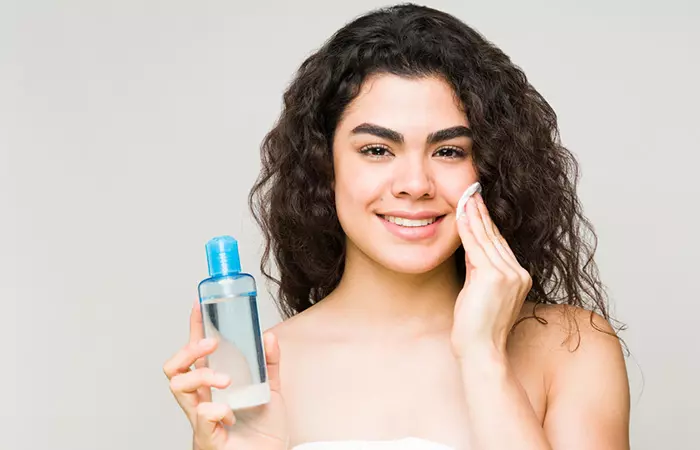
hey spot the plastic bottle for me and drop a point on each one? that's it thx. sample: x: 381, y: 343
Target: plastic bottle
x: 230, y: 316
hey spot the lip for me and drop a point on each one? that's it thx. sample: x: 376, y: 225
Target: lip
x: 412, y: 233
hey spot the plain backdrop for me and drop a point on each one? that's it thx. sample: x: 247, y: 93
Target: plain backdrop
x: 129, y: 135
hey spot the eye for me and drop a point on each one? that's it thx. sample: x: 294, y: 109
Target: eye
x: 450, y: 153
x: 375, y: 151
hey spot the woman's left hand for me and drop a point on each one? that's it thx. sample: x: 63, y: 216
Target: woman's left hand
x: 495, y: 287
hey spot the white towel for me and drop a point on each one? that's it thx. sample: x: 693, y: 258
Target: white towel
x: 408, y: 443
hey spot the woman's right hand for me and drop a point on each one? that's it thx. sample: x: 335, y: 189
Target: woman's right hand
x: 214, y: 425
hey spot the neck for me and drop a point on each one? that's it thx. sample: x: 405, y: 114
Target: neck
x: 372, y: 296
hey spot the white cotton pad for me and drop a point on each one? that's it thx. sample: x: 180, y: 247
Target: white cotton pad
x: 471, y: 190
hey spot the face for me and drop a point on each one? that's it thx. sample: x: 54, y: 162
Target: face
x: 402, y: 159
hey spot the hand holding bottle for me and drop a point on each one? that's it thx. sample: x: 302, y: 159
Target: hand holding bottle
x: 214, y: 425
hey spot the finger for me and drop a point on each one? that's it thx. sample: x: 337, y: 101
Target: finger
x: 181, y: 362
x: 192, y: 381
x: 476, y: 224
x: 494, y: 235
x: 497, y: 232
x: 272, y: 357
x: 474, y: 253
x: 210, y: 417
x: 186, y: 388
x: 489, y: 227
x: 502, y: 246
x: 197, y: 329
x: 196, y: 326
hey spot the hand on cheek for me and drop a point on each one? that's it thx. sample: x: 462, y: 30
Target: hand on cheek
x: 495, y: 287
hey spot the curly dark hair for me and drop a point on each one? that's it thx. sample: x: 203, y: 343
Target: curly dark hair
x: 529, y: 178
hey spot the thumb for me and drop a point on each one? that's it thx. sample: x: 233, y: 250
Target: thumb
x: 272, y: 356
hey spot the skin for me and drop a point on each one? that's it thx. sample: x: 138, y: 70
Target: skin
x: 402, y: 347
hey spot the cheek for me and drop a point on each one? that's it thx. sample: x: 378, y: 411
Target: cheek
x: 452, y: 187
x: 357, y: 187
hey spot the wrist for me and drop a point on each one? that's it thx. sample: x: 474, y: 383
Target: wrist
x: 469, y: 349
x: 483, y: 358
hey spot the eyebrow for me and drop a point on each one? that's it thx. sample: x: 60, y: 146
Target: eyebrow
x: 395, y: 136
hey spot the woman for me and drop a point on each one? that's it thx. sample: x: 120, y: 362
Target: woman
x: 408, y: 327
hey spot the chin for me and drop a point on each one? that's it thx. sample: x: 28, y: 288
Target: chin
x: 410, y: 269
x: 412, y: 261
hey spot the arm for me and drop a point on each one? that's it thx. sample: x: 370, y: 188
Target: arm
x: 499, y: 411
x: 587, y: 395
x: 587, y: 400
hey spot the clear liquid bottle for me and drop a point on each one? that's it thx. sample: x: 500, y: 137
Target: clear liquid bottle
x: 230, y: 316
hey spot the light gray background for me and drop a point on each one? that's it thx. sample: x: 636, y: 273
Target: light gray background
x: 129, y: 134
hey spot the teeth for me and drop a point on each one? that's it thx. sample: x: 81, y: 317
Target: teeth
x: 408, y: 222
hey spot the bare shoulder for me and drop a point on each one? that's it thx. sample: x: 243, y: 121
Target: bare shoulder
x: 288, y: 330
x: 566, y: 338
x: 587, y: 390
x: 565, y: 329
x: 298, y: 330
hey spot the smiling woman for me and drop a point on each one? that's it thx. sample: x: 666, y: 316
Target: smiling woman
x: 401, y: 301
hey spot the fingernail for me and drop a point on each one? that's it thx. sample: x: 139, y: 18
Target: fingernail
x: 221, y: 378
x: 207, y: 343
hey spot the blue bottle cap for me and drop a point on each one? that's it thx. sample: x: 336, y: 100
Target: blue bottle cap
x: 222, y: 256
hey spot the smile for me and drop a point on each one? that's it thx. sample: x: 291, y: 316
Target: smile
x: 410, y: 223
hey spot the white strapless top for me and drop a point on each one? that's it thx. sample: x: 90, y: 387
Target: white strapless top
x: 409, y: 443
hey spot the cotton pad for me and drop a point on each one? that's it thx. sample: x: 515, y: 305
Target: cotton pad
x: 471, y: 190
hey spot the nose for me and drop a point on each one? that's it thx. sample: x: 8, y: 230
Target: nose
x: 412, y: 178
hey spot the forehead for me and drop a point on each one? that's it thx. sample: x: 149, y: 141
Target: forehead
x: 404, y: 104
